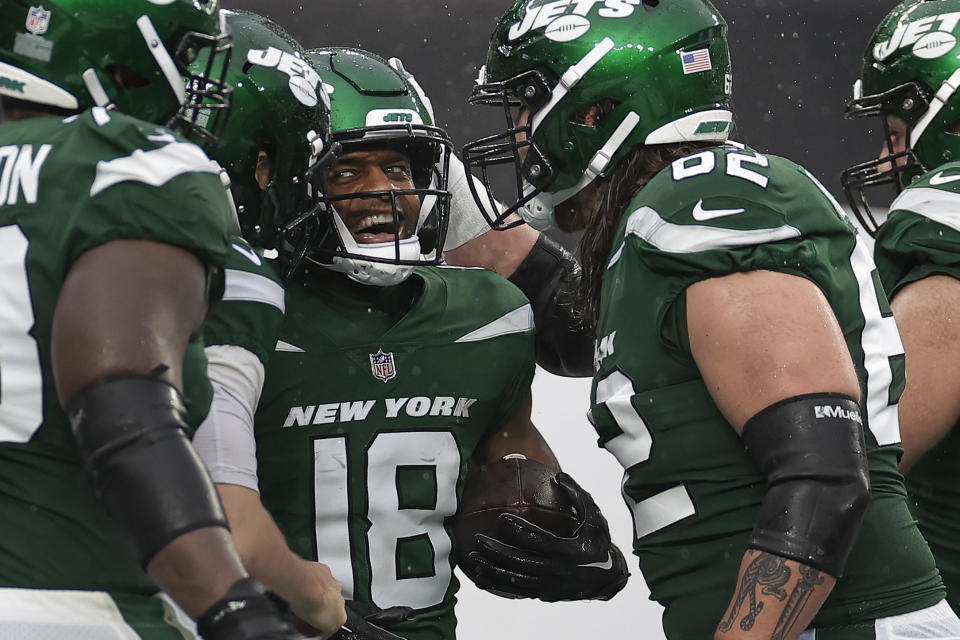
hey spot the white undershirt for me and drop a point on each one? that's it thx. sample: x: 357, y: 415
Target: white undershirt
x: 225, y: 439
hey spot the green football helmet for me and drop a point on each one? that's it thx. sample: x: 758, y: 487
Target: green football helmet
x: 77, y: 54
x: 911, y: 70
x: 375, y: 105
x: 661, y: 69
x: 280, y: 108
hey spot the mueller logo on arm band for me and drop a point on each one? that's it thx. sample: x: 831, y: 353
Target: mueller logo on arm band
x: 836, y: 411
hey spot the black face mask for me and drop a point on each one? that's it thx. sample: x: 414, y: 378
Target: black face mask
x: 908, y: 102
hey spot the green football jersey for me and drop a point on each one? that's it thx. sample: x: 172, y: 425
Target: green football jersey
x: 250, y: 312
x: 365, y: 427
x: 67, y: 186
x: 693, y: 491
x: 921, y: 237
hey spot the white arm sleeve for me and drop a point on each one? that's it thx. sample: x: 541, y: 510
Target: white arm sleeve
x: 466, y: 220
x: 225, y: 439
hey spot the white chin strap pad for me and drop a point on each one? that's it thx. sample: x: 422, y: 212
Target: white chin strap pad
x: 538, y: 212
x: 380, y: 274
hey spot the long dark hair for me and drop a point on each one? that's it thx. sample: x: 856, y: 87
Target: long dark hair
x: 605, y: 211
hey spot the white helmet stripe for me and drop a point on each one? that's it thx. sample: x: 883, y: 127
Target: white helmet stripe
x: 570, y: 78
x: 601, y: 159
x: 538, y: 212
x: 95, y: 89
x: 944, y: 93
x: 162, y: 56
x: 35, y: 88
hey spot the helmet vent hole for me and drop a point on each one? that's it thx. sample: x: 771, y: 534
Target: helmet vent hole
x: 652, y: 3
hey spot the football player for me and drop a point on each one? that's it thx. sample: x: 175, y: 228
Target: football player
x: 277, y: 135
x: 390, y: 375
x: 113, y: 228
x: 910, y: 82
x: 743, y: 361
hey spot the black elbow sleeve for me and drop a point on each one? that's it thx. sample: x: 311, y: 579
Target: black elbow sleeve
x: 549, y: 276
x: 132, y: 434
x: 811, y: 450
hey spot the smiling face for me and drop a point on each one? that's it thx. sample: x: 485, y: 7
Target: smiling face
x: 370, y: 216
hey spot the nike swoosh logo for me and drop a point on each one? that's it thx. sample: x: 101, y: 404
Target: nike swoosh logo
x: 249, y: 255
x: 702, y: 215
x: 938, y: 179
x: 603, y: 566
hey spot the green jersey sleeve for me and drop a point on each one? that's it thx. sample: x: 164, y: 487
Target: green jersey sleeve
x: 147, y: 184
x: 250, y: 313
x: 921, y: 235
x: 725, y: 211
x: 921, y: 238
x: 510, y: 318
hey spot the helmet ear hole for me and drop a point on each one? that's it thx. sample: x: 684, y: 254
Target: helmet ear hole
x: 954, y: 128
x: 125, y: 77
x: 596, y: 113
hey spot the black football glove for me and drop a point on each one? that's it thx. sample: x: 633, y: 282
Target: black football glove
x: 247, y: 612
x: 364, y: 620
x: 531, y: 562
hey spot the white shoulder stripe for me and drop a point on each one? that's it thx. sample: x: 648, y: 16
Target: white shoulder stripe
x: 244, y: 286
x: 933, y: 204
x: 286, y: 347
x: 645, y: 223
x: 155, y: 167
x: 519, y: 320
x: 616, y: 256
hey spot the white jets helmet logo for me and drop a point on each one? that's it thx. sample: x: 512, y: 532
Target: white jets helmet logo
x: 564, y: 21
x: 930, y: 37
x: 305, y: 83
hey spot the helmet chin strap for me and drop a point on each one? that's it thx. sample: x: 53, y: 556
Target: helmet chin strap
x: 380, y: 274
x: 162, y: 56
x: 538, y: 212
x: 573, y: 75
x: 939, y: 101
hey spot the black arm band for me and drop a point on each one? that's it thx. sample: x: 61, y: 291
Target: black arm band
x: 549, y: 276
x: 811, y: 449
x: 132, y: 435
x: 247, y: 612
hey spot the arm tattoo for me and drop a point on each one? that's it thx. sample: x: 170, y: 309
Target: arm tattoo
x: 809, y: 579
x: 770, y: 573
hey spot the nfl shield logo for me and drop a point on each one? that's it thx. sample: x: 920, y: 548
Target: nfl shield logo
x: 383, y: 366
x: 38, y: 20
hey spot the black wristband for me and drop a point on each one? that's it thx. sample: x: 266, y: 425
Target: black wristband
x: 811, y: 449
x: 247, y: 612
x: 549, y: 276
x: 131, y: 432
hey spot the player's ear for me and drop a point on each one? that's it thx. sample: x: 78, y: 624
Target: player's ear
x: 264, y: 170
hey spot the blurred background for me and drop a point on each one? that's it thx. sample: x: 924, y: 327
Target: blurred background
x: 794, y: 64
